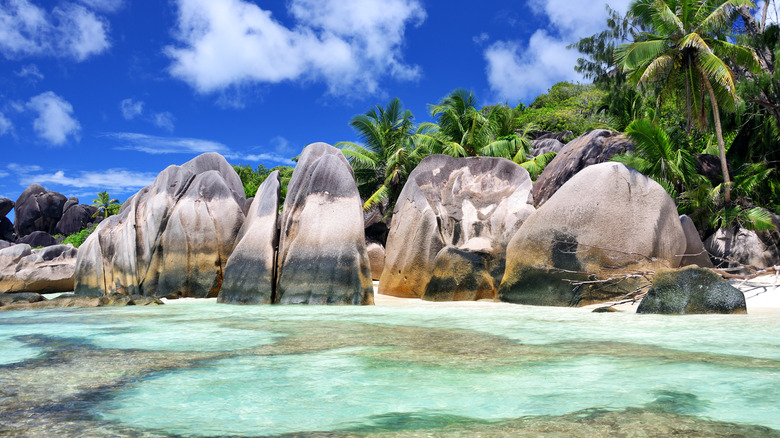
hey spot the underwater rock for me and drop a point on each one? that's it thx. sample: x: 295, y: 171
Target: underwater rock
x: 249, y: 273
x: 43, y: 270
x: 606, y: 222
x: 322, y: 256
x: 471, y: 204
x: 594, y: 147
x: 21, y: 297
x: 174, y: 236
x: 695, y: 254
x: 691, y: 290
x: 37, y: 209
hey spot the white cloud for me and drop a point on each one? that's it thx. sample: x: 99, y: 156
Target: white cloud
x: 3, y: 175
x: 348, y: 44
x: 163, y: 120
x: 31, y: 72
x: 104, y: 5
x: 117, y: 180
x: 276, y: 158
x: 518, y: 70
x: 5, y: 125
x: 55, y: 122
x: 156, y: 145
x: 152, y: 144
x: 21, y: 169
x: 131, y: 108
x: 69, y: 30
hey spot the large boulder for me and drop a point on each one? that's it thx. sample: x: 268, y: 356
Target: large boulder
x: 38, y: 239
x: 37, y: 209
x: 75, y: 217
x: 453, y: 210
x: 322, y: 256
x: 691, y: 290
x: 593, y: 239
x: 546, y: 145
x: 695, y: 253
x: 249, y: 273
x: 173, y: 237
x: 7, y: 230
x: 43, y: 270
x: 6, y: 205
x: 736, y: 246
x: 594, y: 147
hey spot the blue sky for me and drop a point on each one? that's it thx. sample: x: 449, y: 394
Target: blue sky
x: 104, y: 94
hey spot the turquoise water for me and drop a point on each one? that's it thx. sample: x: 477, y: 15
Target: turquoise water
x: 197, y: 368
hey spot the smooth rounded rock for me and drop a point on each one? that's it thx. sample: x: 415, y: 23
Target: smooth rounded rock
x: 607, y: 222
x: 37, y: 209
x: 453, y: 202
x: 460, y: 275
x: 249, y: 273
x: 322, y: 256
x: 376, y: 256
x: 172, y: 237
x: 691, y: 290
x: 75, y: 217
x: 695, y: 253
x: 38, y: 239
x: 43, y: 270
x: 594, y: 147
x: 6, y: 205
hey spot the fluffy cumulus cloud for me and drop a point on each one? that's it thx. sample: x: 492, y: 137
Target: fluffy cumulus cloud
x: 68, y: 30
x: 523, y: 70
x: 55, y: 121
x: 348, y: 44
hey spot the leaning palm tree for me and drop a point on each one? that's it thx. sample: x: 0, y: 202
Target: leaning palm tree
x: 105, y: 205
x: 386, y: 156
x: 685, y: 47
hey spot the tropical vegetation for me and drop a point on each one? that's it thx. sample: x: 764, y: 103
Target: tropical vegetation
x: 105, y: 205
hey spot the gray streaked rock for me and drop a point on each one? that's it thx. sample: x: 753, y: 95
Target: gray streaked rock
x: 695, y: 253
x: 44, y: 270
x: 594, y: 147
x: 172, y: 237
x: 249, y: 273
x: 606, y: 222
x: 6, y: 205
x: 322, y: 255
x: 471, y: 204
x: 37, y: 239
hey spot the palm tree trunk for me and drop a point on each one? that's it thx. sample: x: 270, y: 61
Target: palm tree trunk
x: 719, y: 135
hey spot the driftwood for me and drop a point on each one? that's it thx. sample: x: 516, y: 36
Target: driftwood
x: 640, y: 292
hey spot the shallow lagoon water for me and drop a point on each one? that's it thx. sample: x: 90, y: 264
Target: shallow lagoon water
x: 197, y: 368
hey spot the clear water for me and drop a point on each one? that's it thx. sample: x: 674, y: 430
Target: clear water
x: 197, y: 368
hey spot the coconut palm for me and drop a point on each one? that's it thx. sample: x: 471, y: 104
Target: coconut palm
x: 105, y: 205
x: 655, y: 156
x: 386, y: 156
x: 685, y: 47
x: 462, y: 130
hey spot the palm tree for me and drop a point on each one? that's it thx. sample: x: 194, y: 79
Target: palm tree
x: 462, y: 130
x: 655, y: 156
x: 686, y: 47
x: 387, y: 154
x: 105, y: 205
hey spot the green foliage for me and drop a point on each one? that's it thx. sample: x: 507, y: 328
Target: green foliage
x: 387, y: 155
x: 252, y: 178
x: 78, y: 238
x: 656, y: 156
x: 105, y: 205
x: 568, y: 107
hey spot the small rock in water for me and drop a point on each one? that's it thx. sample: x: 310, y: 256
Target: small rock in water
x: 24, y: 297
x: 605, y: 309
